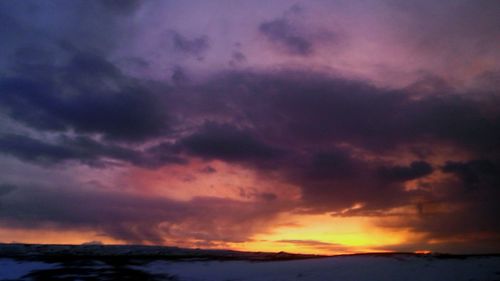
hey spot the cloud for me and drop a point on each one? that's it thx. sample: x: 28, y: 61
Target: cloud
x: 81, y: 150
x: 252, y: 193
x: 311, y: 129
x: 347, y: 144
x: 29, y: 149
x: 341, y: 136
x: 282, y: 32
x: 319, y: 245
x: 237, y: 58
x: 329, y: 111
x: 294, y: 35
x: 226, y: 142
x: 195, y: 47
x: 208, y: 170
x: 92, y: 243
x: 472, y: 172
x: 333, y: 181
x: 313, y: 108
x: 267, y: 196
x: 87, y: 95
x: 134, y: 218
x: 6, y: 189
x: 332, y: 164
x: 417, y: 169
x: 461, y: 213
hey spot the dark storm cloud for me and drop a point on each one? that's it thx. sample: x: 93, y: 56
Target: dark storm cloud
x: 415, y: 170
x: 378, y: 120
x: 462, y: 219
x: 131, y: 217
x: 87, y: 95
x: 311, y: 116
x: 333, y: 164
x: 226, y: 142
x: 304, y: 108
x: 334, y: 180
x: 332, y: 137
x: 282, y: 32
x: 81, y: 150
x: 459, y: 119
x: 472, y: 172
x: 463, y: 213
x: 295, y: 121
x: 32, y: 150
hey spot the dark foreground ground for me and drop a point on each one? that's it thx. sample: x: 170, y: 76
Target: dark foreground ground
x: 96, y: 262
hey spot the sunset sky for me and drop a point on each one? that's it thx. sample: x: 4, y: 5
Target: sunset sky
x: 301, y: 126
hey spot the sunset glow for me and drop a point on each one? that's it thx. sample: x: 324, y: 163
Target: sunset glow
x: 325, y: 127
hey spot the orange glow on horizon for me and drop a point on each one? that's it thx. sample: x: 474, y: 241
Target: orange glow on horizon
x: 325, y: 234
x: 307, y: 234
x: 294, y: 233
x: 74, y: 237
x: 184, y: 182
x: 423, y: 252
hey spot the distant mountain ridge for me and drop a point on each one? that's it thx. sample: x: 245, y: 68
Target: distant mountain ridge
x: 20, y: 250
x: 166, y: 252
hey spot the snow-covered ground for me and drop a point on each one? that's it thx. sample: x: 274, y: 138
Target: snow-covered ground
x: 14, y: 270
x: 345, y: 268
x: 336, y: 268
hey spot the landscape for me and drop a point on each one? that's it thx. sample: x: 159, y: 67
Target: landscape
x: 119, y: 262
x: 250, y: 140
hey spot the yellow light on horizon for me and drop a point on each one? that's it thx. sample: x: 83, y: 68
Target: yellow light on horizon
x: 325, y: 234
x: 423, y: 252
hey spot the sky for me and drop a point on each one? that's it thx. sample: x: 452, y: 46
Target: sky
x: 315, y: 126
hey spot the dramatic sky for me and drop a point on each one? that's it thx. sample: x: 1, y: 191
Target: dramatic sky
x: 304, y: 126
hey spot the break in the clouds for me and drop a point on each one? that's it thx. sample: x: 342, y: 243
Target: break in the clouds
x: 208, y: 124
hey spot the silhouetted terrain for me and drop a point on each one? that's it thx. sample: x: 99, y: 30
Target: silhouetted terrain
x: 121, y: 262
